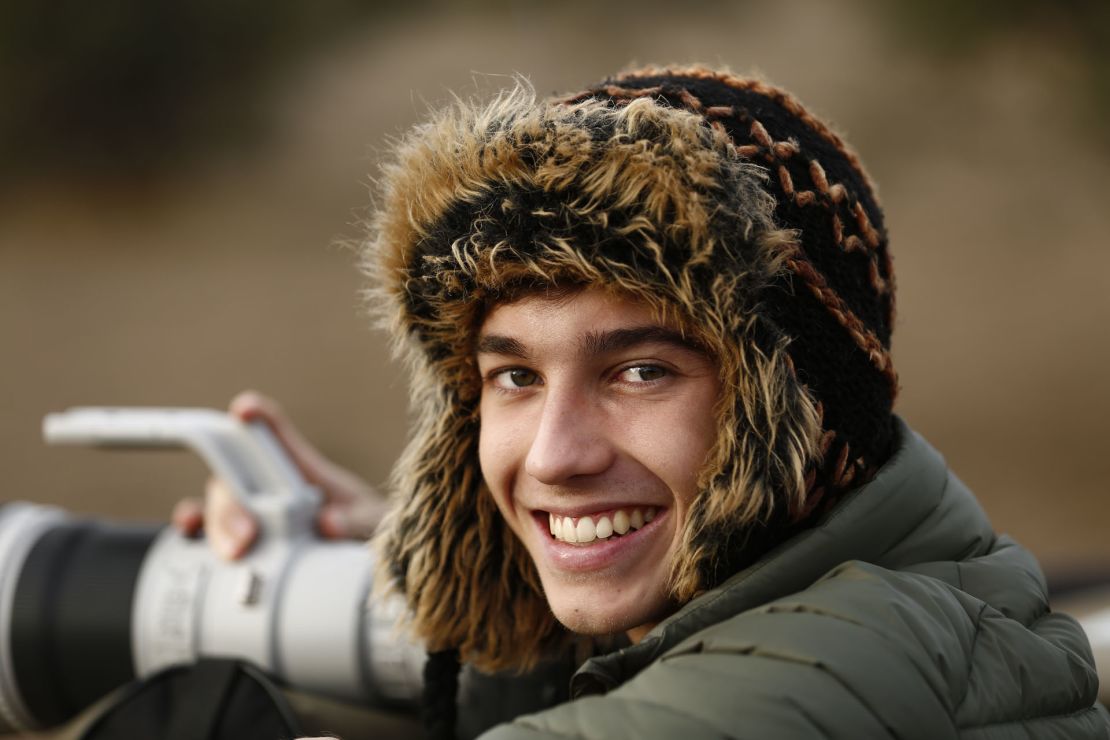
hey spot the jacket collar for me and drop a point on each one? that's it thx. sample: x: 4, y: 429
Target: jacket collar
x: 890, y: 521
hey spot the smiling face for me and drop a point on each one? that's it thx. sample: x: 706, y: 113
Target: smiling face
x: 595, y: 423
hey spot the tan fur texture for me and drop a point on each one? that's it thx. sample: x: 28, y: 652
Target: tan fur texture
x: 642, y: 199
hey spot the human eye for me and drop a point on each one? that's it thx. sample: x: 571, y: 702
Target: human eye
x: 513, y: 378
x: 641, y: 374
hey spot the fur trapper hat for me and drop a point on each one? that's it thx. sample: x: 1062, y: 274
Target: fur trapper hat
x: 719, y: 201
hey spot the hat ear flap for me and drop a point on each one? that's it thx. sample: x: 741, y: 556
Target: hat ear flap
x: 418, y: 537
x: 758, y: 474
x: 468, y: 580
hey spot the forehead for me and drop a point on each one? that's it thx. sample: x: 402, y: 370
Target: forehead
x: 538, y: 313
x: 583, y: 324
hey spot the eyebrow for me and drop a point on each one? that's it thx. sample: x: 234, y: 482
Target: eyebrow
x: 497, y: 344
x: 596, y: 342
x: 599, y: 343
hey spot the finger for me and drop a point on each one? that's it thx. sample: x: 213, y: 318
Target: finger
x: 252, y: 405
x: 335, y: 482
x: 188, y: 516
x: 230, y: 528
x: 347, y: 520
x: 358, y: 506
x: 332, y: 523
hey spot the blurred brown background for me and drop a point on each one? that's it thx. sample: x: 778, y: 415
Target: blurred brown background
x: 174, y: 185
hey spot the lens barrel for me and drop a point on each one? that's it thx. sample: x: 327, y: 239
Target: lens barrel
x: 68, y: 626
x: 87, y: 606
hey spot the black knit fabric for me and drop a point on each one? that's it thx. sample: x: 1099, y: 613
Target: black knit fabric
x: 441, y: 687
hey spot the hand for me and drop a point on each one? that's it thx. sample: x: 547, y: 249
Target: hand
x: 351, y: 507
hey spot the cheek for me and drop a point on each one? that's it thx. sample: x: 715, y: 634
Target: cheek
x: 487, y: 458
x: 497, y: 454
x: 678, y: 458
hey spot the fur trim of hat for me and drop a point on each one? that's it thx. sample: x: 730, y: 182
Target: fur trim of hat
x: 642, y: 186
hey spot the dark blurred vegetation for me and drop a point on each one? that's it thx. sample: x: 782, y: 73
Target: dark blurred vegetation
x: 960, y: 27
x: 133, y: 88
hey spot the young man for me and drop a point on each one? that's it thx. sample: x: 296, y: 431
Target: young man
x: 649, y: 329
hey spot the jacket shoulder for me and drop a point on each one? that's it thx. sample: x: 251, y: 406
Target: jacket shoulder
x: 863, y: 652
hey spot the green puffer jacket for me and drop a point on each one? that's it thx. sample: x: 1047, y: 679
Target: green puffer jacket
x: 901, y: 615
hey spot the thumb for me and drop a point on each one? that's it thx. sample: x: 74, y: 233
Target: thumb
x: 230, y: 527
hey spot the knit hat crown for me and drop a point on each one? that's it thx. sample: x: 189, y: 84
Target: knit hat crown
x: 834, y: 303
x: 717, y: 200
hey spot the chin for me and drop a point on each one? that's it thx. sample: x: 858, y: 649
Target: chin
x: 593, y: 613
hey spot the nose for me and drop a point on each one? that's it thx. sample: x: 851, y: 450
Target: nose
x: 570, y: 439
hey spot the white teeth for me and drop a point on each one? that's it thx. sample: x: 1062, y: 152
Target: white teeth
x: 585, y: 530
x: 604, y: 528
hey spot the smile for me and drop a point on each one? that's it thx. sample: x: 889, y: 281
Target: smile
x: 587, y: 529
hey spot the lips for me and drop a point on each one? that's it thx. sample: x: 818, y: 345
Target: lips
x: 592, y: 553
